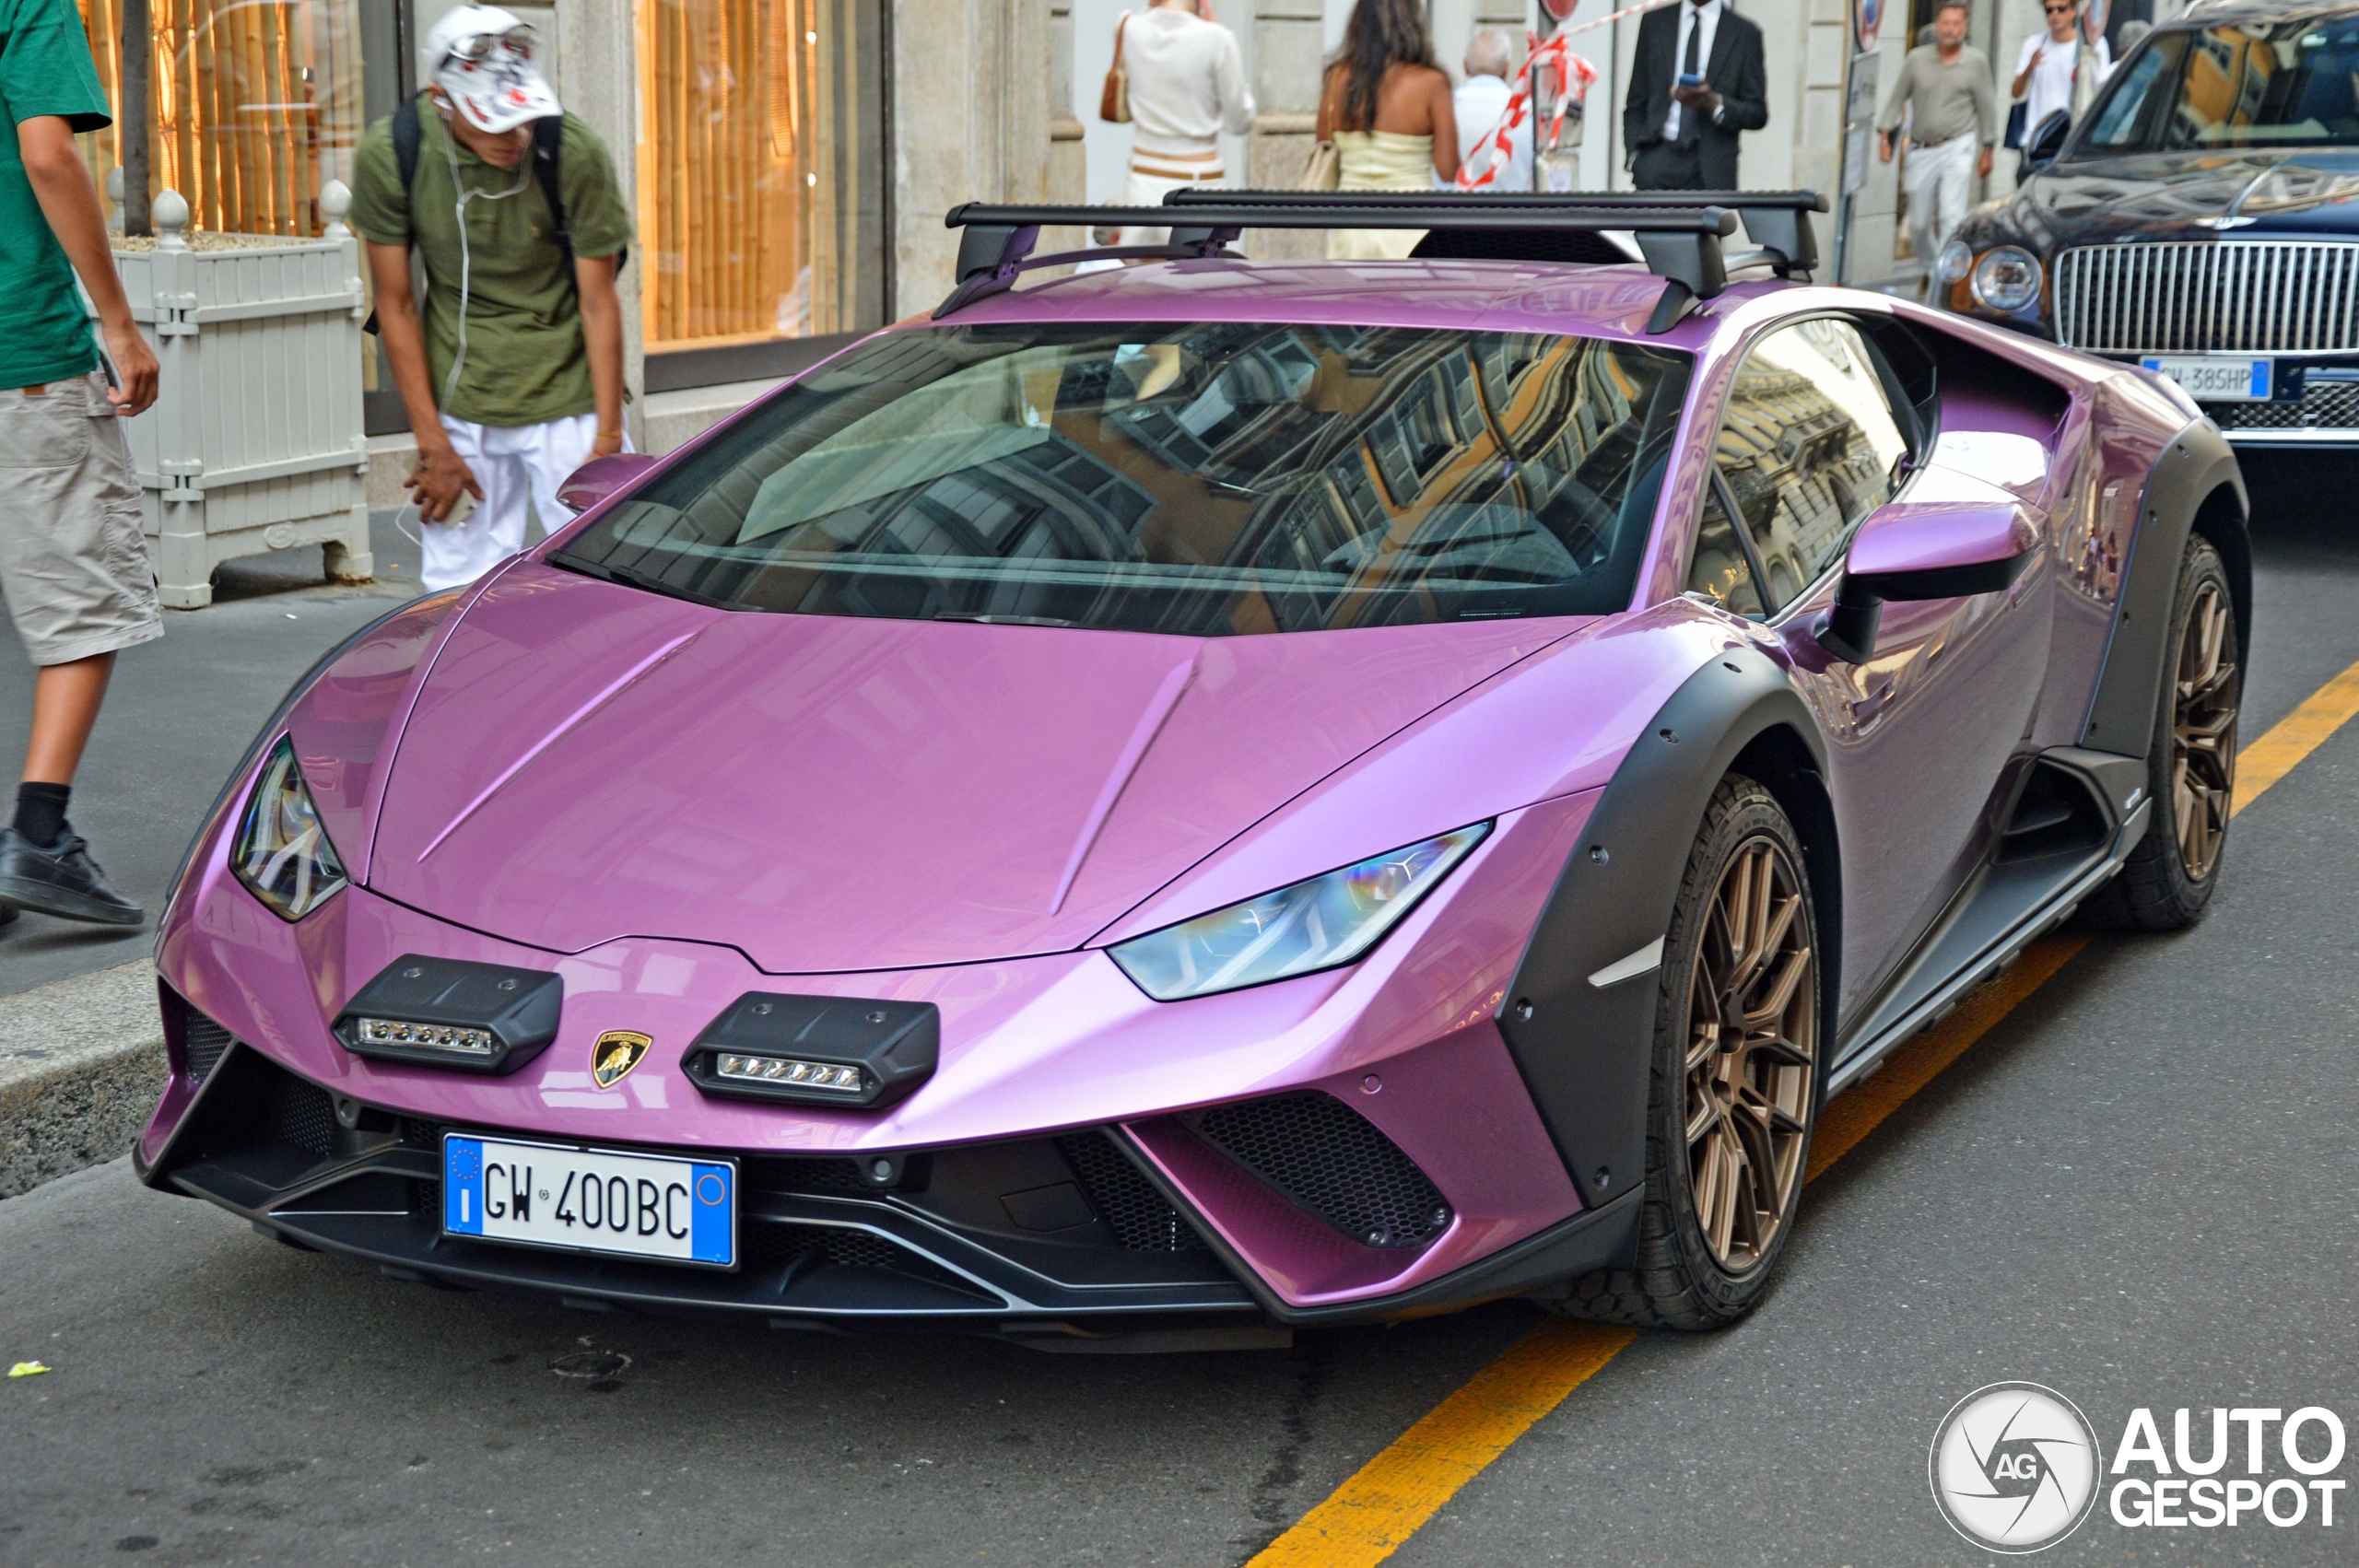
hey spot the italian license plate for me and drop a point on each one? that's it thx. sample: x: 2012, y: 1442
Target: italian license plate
x: 2212, y: 379
x: 591, y: 1200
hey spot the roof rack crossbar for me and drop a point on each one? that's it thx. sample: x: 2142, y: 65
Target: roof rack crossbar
x: 1776, y: 221
x: 991, y: 255
x: 1681, y: 240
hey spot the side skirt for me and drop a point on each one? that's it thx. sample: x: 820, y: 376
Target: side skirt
x: 2040, y: 871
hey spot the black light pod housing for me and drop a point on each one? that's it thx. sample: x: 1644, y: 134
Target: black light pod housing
x: 816, y: 1050
x: 448, y: 1013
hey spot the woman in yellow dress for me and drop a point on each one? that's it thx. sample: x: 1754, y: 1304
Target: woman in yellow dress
x: 1386, y: 106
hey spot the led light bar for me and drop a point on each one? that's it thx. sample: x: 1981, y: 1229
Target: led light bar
x: 426, y: 1037
x: 786, y: 1069
x: 448, y: 1013
x: 850, y: 1052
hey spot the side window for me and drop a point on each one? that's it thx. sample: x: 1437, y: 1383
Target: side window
x: 1808, y: 447
x: 1719, y: 570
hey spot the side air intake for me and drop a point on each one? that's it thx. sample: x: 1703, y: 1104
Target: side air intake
x: 1332, y: 1162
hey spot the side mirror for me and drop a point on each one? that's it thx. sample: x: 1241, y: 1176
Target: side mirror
x: 599, y: 478
x: 1936, y: 548
x: 2046, y: 139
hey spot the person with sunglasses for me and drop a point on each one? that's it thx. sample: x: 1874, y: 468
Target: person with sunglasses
x: 2057, y: 69
x: 512, y: 371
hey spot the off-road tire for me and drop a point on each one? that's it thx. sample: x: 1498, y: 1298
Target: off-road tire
x: 2154, y: 889
x: 1679, y: 1282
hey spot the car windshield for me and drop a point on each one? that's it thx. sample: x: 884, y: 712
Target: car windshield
x: 2246, y: 85
x: 1201, y: 479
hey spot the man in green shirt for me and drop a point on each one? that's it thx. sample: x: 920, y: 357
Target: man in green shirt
x: 513, y: 374
x: 73, y: 557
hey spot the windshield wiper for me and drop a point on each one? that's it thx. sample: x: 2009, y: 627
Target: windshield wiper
x: 1002, y: 620
x: 633, y: 578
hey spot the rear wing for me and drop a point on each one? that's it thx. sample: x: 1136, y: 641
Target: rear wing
x: 1678, y: 233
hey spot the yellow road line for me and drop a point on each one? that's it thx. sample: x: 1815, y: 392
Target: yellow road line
x: 1369, y: 1515
x: 1365, y: 1520
x: 2296, y: 736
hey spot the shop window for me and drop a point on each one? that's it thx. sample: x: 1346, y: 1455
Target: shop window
x: 760, y: 181
x: 257, y: 104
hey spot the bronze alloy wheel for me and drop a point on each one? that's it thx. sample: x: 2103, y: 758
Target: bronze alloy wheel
x: 1752, y: 1052
x: 2203, y: 732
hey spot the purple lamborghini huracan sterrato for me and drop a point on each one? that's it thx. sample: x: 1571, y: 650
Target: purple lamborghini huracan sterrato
x: 1214, y: 795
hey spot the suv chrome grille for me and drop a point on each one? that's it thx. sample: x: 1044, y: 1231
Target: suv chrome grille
x: 2210, y: 297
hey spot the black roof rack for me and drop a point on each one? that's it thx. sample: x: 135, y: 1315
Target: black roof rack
x: 1778, y: 222
x: 1679, y: 234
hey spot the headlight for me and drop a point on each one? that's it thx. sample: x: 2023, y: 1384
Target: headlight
x: 2007, y: 279
x: 1319, y: 924
x: 1957, y: 259
x: 282, y: 853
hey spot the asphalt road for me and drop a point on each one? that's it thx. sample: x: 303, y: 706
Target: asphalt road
x: 2138, y: 1188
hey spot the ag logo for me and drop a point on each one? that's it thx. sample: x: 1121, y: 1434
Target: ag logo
x: 616, y: 1052
x: 2014, y: 1468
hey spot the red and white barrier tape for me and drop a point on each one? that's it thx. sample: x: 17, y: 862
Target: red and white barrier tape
x: 1495, y: 149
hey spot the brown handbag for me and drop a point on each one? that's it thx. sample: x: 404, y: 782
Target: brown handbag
x: 1114, y: 97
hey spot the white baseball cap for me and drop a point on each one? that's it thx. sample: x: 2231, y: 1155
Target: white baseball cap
x: 484, y: 60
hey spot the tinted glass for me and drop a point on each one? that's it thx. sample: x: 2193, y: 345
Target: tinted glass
x: 2253, y: 85
x: 1719, y: 569
x: 1808, y: 447
x: 1204, y: 479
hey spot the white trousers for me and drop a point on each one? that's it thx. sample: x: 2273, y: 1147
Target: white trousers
x: 518, y: 465
x: 1941, y: 182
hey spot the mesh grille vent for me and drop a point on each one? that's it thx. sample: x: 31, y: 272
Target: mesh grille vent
x: 2325, y: 406
x: 302, y: 1113
x: 207, y: 1042
x: 1334, y: 1162
x: 847, y: 1249
x: 807, y: 1176
x: 1137, y: 1214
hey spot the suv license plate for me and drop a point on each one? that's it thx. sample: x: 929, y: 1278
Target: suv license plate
x: 2209, y: 379
x: 591, y: 1200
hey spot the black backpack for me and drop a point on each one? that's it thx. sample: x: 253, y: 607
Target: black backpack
x: 548, y: 144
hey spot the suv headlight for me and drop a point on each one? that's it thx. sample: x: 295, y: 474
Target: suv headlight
x: 282, y: 852
x: 1323, y: 923
x: 2007, y: 279
x: 1957, y: 259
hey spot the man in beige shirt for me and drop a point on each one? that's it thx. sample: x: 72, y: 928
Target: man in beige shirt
x: 1945, y: 92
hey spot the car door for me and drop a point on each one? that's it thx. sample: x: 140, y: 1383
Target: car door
x: 1921, y: 735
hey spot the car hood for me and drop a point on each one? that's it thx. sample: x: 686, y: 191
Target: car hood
x: 2156, y: 195
x: 586, y: 762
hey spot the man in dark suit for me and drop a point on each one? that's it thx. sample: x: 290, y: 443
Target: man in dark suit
x: 1682, y: 137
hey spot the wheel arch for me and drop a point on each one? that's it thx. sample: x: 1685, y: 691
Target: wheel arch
x: 1584, y: 1048
x: 1781, y: 762
x: 2195, y: 485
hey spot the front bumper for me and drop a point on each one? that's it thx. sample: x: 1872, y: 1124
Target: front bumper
x: 1055, y: 1073
x: 1104, y: 1243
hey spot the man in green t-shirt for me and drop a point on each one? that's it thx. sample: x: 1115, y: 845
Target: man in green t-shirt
x: 514, y: 376
x: 73, y: 556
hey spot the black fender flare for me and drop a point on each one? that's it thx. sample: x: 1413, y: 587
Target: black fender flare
x: 2197, y: 462
x: 1585, y: 1050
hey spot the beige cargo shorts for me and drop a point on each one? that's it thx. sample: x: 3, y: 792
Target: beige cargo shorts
x: 73, y: 561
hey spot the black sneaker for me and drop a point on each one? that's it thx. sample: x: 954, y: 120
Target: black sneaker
x: 61, y: 880
x: 8, y: 913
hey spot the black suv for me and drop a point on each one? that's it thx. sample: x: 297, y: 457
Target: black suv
x: 2201, y: 219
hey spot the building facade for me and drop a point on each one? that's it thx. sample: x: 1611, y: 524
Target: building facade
x: 790, y: 160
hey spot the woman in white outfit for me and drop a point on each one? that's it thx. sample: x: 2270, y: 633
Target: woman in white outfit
x: 1187, y: 85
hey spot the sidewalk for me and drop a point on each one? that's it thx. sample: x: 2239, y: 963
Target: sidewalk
x: 180, y: 714
x: 81, y: 1066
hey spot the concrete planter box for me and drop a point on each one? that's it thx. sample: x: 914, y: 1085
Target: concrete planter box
x: 255, y: 440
